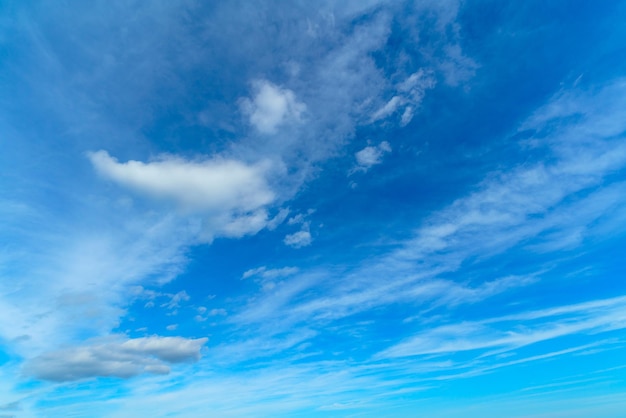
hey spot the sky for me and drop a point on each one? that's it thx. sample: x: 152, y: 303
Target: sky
x: 312, y: 209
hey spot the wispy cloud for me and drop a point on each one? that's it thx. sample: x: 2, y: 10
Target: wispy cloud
x: 266, y: 273
x: 409, y: 95
x: 86, y: 280
x: 512, y: 332
x: 198, y: 132
x: 509, y: 209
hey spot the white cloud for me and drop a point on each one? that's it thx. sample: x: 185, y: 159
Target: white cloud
x: 218, y: 312
x: 119, y: 358
x: 409, y: 93
x: 370, y: 156
x: 237, y: 225
x: 530, y: 200
x: 175, y: 300
x: 272, y: 107
x: 253, y: 272
x: 407, y: 116
x: 389, y: 108
x: 298, y: 239
x: 266, y: 273
x: 231, y: 194
x: 300, y: 218
x: 213, y: 185
x: 83, y: 275
x: 303, y: 237
x: 267, y: 278
x: 514, y: 208
x: 278, y: 219
x: 512, y: 332
x: 81, y: 291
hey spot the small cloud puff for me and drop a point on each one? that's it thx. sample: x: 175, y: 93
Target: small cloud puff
x: 175, y: 300
x: 300, y: 218
x: 303, y: 237
x: 267, y: 278
x: 298, y: 239
x: 218, y: 312
x: 272, y: 107
x: 370, y: 156
x: 409, y: 94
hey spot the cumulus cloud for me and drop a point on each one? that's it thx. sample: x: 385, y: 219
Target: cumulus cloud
x: 272, y: 107
x: 214, y: 184
x: 120, y: 358
x: 370, y: 156
x: 232, y: 193
x: 298, y: 239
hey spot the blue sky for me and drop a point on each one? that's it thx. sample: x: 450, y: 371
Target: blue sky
x: 312, y: 209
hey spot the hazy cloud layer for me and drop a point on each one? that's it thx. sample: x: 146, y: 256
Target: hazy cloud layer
x: 190, y: 170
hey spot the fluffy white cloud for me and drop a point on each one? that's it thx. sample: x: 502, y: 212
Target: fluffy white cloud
x: 233, y: 194
x: 121, y: 358
x: 215, y: 184
x: 298, y: 239
x: 271, y: 107
x: 370, y: 156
